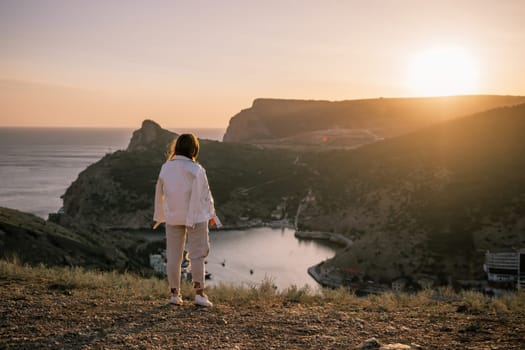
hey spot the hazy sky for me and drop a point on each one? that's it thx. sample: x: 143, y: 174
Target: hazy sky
x: 197, y: 63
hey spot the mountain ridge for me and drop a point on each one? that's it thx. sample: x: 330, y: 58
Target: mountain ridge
x: 349, y: 123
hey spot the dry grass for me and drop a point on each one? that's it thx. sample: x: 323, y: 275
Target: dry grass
x: 479, y: 303
x: 129, y: 286
x: 126, y: 285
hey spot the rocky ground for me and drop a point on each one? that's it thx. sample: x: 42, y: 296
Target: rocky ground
x: 45, y: 314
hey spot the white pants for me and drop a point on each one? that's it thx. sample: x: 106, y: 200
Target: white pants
x: 198, y: 249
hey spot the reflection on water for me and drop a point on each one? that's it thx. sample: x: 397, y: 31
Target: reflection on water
x: 251, y: 255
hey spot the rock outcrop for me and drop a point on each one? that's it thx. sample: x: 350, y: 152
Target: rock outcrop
x: 374, y: 344
x: 149, y: 136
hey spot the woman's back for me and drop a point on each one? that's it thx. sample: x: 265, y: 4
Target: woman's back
x: 177, y: 176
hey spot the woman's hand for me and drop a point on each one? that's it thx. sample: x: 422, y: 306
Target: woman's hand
x: 215, y: 222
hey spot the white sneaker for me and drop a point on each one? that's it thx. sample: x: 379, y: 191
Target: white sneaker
x: 202, y: 301
x: 176, y: 300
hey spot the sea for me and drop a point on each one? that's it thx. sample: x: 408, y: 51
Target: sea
x: 37, y: 165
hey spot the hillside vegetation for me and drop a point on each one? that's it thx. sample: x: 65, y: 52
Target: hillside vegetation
x: 31, y: 240
x: 34, y: 240
x: 429, y: 202
x: 50, y: 308
x: 118, y: 191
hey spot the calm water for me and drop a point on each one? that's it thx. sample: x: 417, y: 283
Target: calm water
x: 38, y: 164
x: 272, y: 253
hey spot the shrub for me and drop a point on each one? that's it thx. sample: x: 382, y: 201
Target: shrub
x: 294, y: 294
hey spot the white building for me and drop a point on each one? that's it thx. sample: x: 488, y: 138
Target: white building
x: 506, y: 266
x: 399, y: 284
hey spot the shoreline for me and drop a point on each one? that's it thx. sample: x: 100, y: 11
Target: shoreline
x: 270, y: 224
x: 329, y: 236
x: 323, y: 281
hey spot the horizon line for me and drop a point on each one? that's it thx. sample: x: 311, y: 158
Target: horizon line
x: 100, y: 127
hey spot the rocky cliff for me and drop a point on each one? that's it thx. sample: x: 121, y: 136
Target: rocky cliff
x: 149, y: 136
x: 273, y: 122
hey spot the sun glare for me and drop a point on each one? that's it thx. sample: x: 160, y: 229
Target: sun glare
x: 442, y: 71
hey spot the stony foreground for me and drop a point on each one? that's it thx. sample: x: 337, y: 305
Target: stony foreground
x: 39, y: 313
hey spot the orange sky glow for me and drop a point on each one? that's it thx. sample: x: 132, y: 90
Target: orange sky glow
x: 197, y: 63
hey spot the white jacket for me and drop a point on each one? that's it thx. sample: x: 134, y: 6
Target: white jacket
x: 182, y: 195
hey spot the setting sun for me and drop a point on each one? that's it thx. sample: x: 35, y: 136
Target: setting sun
x: 442, y: 71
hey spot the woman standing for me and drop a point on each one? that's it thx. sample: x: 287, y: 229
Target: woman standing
x: 184, y: 202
